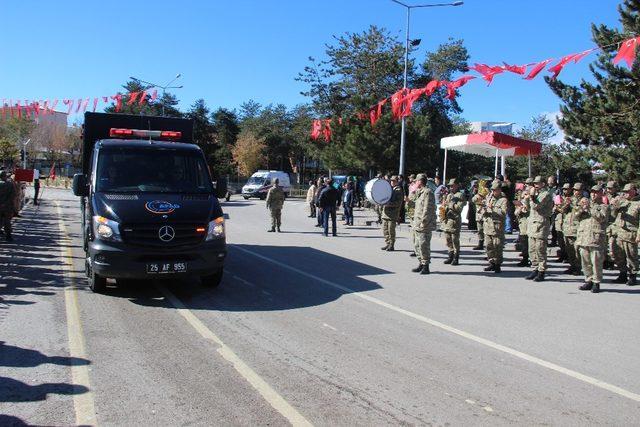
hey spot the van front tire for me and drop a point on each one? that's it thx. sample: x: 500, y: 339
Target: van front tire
x: 212, y: 280
x: 97, y: 283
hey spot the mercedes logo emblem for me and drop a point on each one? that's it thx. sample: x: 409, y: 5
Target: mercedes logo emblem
x: 166, y: 233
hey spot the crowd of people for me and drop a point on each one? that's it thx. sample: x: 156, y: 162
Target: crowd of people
x: 594, y: 227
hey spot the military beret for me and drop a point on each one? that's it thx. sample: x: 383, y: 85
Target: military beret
x: 538, y: 180
x: 612, y: 184
x: 529, y: 181
x: 566, y: 186
x: 453, y: 181
x: 596, y: 188
x: 577, y: 186
x: 496, y: 185
x: 629, y: 186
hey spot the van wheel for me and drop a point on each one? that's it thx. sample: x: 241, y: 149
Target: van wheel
x: 212, y: 280
x: 246, y: 197
x: 97, y: 283
x: 286, y: 195
x: 263, y: 196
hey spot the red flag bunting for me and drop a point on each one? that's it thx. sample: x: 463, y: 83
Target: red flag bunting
x: 154, y: 95
x: 52, y: 172
x: 79, y: 105
x: 95, y: 104
x: 19, y: 109
x: 133, y: 97
x: 316, y: 129
x: 431, y: 87
x: 537, y: 68
x: 517, y: 69
x: 69, y: 104
x: 627, y: 51
x: 488, y: 71
x: 143, y: 97
x: 118, y: 99
x: 326, y: 131
x: 452, y: 86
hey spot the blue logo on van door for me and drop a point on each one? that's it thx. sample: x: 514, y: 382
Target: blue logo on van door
x: 161, y: 207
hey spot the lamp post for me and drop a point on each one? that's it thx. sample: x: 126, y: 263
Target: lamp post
x: 164, y: 88
x: 406, y: 64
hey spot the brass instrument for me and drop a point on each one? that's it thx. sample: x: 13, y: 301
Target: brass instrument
x: 483, y: 190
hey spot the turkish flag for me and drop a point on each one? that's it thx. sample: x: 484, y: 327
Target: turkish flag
x: 431, y: 87
x: 118, y: 99
x: 517, y: 69
x: 488, y: 71
x: 452, y: 86
x: 537, y: 68
x: 133, y: 97
x: 69, y: 103
x: 52, y: 172
x: 316, y: 129
x: 627, y: 51
x: 326, y: 131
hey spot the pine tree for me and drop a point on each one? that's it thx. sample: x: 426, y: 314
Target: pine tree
x: 602, y: 117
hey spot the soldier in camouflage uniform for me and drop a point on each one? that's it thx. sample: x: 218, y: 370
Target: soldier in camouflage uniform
x: 452, y: 221
x: 559, y: 221
x: 478, y: 201
x: 592, y: 240
x: 570, y: 230
x: 538, y: 225
x: 612, y: 197
x: 275, y: 200
x: 391, y: 214
x: 626, y: 211
x: 523, y: 208
x: 424, y: 223
x: 495, y: 214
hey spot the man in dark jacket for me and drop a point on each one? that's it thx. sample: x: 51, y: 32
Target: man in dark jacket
x: 328, y: 202
x: 347, y: 203
x: 7, y: 193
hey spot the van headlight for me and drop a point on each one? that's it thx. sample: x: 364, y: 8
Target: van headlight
x: 106, y: 229
x: 215, y: 229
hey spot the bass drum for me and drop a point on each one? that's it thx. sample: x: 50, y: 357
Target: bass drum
x: 378, y: 191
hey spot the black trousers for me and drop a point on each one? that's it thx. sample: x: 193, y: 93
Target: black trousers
x: 5, y: 222
x: 36, y: 191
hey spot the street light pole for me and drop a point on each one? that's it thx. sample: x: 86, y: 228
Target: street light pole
x: 406, y: 67
x: 164, y: 88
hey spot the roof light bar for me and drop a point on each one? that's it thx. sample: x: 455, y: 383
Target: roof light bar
x: 158, y: 134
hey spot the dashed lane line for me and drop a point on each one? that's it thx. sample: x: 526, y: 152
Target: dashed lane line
x: 260, y: 385
x: 516, y: 353
x: 83, y: 402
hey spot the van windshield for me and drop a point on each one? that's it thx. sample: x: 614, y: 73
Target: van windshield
x: 256, y: 180
x: 129, y: 169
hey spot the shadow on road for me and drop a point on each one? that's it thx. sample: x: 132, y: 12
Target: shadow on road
x: 261, y: 285
x: 18, y: 357
x: 16, y: 391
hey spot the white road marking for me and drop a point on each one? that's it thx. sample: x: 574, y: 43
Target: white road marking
x: 260, y: 385
x: 516, y: 353
x: 329, y: 326
x: 488, y: 408
x: 241, y: 280
x: 83, y: 403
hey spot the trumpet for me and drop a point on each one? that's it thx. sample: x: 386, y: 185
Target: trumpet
x: 483, y: 190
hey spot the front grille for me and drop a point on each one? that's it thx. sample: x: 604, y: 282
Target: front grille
x: 148, y: 235
x: 121, y: 197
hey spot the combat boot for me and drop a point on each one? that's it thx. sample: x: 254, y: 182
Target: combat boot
x: 278, y: 230
x: 533, y: 275
x: 569, y: 270
x: 456, y: 260
x: 425, y: 269
x: 497, y: 269
x: 523, y: 262
x: 413, y: 255
x: 479, y: 246
x: 539, y: 277
x: 596, y: 288
x: 632, y: 280
x: 622, y: 277
x: 419, y: 268
x: 490, y: 267
x: 384, y: 248
x: 390, y: 248
x: 271, y: 230
x: 586, y: 286
x: 450, y: 259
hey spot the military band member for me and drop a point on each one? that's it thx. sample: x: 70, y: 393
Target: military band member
x: 495, y: 214
x: 275, y: 201
x: 570, y: 230
x: 452, y: 221
x: 592, y: 240
x: 523, y: 208
x: 391, y: 214
x: 478, y: 201
x: 611, y: 195
x: 424, y: 223
x: 538, y: 225
x: 559, y: 220
x: 626, y: 213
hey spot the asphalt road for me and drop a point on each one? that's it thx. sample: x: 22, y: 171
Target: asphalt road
x: 307, y: 329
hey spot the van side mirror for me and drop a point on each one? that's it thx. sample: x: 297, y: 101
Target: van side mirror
x: 80, y: 185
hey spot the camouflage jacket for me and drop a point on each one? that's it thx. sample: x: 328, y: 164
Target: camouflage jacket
x: 424, y: 215
x: 539, y: 223
x: 593, y: 226
x: 275, y: 198
x: 627, y: 215
x: 391, y: 211
x: 478, y: 200
x: 522, y: 213
x: 495, y: 215
x: 570, y: 222
x: 453, y: 205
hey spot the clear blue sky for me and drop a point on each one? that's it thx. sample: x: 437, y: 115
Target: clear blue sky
x: 232, y: 51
